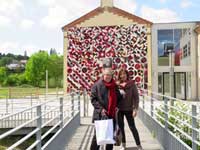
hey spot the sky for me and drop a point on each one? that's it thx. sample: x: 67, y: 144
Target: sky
x: 32, y: 25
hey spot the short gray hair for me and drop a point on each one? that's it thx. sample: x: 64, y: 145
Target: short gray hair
x: 107, y: 63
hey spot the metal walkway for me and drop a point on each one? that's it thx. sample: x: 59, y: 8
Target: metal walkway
x: 81, y: 139
x: 162, y: 121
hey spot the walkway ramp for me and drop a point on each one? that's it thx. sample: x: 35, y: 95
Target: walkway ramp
x: 81, y: 139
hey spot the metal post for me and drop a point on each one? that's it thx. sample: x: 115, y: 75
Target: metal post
x: 194, y: 126
x: 7, y: 105
x: 56, y: 92
x: 39, y: 124
x: 31, y: 100
x: 84, y: 104
x: 166, y: 123
x: 9, y: 93
x: 31, y: 106
x: 171, y: 63
x: 152, y: 108
x: 79, y: 103
x: 143, y: 103
x: 46, y: 94
x: 72, y: 104
x: 87, y: 102
x: 61, y: 112
x: 12, y: 106
x: 166, y: 112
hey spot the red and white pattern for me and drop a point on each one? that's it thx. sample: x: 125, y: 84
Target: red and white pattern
x: 127, y: 45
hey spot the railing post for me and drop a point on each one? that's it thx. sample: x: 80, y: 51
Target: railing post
x: 31, y: 100
x: 194, y: 126
x: 166, y: 109
x: 72, y: 104
x: 79, y: 102
x: 84, y: 103
x: 152, y: 108
x: 166, y: 112
x: 56, y: 92
x: 143, y: 103
x: 39, y: 124
x: 9, y: 93
x: 7, y: 104
x: 61, y: 112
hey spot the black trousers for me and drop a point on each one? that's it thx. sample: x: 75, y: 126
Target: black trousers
x: 131, y: 123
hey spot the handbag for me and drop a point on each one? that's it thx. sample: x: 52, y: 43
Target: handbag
x: 104, y: 131
x: 118, y: 132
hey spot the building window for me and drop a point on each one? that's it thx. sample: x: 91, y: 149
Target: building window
x: 185, y: 51
x: 160, y: 83
x: 189, y: 49
x: 181, y: 39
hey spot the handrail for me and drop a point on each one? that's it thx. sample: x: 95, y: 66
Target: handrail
x: 40, y: 114
x: 187, y: 117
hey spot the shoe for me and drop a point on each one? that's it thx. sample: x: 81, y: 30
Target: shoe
x: 139, y: 147
x: 123, y: 146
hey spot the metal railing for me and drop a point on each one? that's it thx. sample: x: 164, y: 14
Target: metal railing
x: 175, y: 123
x: 54, y: 114
x: 9, y: 106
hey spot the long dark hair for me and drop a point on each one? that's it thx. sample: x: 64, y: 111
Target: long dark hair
x: 121, y: 71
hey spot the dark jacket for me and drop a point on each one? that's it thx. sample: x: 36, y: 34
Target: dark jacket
x: 131, y: 99
x: 99, y: 98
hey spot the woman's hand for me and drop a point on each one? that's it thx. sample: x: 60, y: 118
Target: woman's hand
x: 103, y: 112
x: 123, y: 84
x: 122, y: 92
x: 134, y: 114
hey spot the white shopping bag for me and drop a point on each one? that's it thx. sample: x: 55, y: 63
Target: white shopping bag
x: 104, y: 131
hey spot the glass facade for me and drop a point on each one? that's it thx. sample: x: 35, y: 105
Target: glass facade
x: 180, y: 39
x: 182, y: 84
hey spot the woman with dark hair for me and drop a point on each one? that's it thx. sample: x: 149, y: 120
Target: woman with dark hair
x: 128, y: 107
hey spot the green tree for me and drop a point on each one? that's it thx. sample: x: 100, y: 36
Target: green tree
x: 35, y: 68
x: 5, y: 61
x: 55, y: 68
x: 11, y: 80
x: 3, y: 74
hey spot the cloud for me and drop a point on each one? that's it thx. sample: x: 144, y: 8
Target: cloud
x: 63, y: 12
x: 17, y: 48
x: 159, y: 15
x: 4, y: 21
x: 185, y: 3
x: 55, y: 18
x: 162, y: 1
x: 128, y: 5
x: 26, y: 24
x: 46, y: 2
x: 10, y: 7
x: 8, y: 47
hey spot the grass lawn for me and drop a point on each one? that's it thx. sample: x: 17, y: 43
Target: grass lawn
x: 17, y: 92
x: 8, y: 141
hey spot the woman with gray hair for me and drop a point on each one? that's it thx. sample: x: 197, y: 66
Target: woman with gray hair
x: 105, y: 97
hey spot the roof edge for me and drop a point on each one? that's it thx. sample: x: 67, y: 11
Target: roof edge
x: 113, y: 10
x: 84, y: 17
x: 128, y: 15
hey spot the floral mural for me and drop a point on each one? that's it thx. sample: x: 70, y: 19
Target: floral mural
x: 127, y: 45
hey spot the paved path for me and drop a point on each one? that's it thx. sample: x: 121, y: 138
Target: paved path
x: 81, y: 140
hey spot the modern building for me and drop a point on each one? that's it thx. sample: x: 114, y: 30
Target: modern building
x: 184, y: 37
x: 137, y: 44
